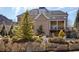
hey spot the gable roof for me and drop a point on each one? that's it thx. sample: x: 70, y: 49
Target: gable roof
x: 48, y: 14
x: 57, y: 12
x: 35, y: 13
x: 41, y: 14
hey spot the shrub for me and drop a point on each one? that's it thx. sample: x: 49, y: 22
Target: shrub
x: 37, y: 39
x: 14, y: 39
x: 61, y: 34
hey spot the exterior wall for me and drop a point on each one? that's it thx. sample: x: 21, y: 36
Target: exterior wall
x: 42, y: 21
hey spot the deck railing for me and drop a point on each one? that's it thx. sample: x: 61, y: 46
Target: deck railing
x: 56, y: 27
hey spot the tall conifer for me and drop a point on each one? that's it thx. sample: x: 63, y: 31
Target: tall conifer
x: 10, y: 33
x: 3, y: 31
x: 77, y: 19
x: 25, y: 27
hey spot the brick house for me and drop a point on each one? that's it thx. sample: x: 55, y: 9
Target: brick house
x: 51, y: 21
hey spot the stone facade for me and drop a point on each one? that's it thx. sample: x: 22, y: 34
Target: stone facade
x: 42, y: 20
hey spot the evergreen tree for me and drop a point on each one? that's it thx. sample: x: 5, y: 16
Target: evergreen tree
x: 3, y: 31
x: 77, y: 19
x: 25, y: 27
x: 40, y: 30
x: 10, y: 33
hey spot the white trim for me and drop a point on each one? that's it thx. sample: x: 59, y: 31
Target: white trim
x: 46, y: 16
x: 56, y: 20
x: 59, y: 15
x: 65, y: 25
x: 42, y: 14
x: 37, y: 16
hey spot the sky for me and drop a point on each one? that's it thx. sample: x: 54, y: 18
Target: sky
x: 12, y: 12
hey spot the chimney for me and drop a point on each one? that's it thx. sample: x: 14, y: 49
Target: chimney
x: 42, y: 10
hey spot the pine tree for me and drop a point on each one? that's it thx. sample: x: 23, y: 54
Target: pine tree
x: 77, y: 19
x: 25, y: 27
x: 10, y: 33
x: 3, y: 31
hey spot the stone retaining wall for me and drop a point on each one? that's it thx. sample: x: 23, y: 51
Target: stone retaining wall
x: 67, y: 45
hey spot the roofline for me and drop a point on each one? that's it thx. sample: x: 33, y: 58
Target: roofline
x: 41, y: 14
x: 60, y: 15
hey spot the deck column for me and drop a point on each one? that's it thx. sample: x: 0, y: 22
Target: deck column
x: 57, y: 24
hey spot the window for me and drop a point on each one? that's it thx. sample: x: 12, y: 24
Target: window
x: 53, y: 23
x: 61, y: 23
